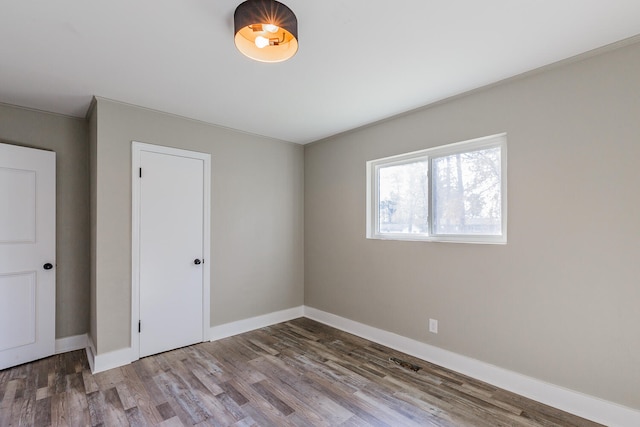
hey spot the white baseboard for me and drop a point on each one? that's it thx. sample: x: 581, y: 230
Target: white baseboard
x: 580, y: 404
x: 106, y: 361
x: 76, y: 342
x: 121, y: 357
x: 574, y: 402
x: 246, y: 325
x: 91, y: 353
x: 112, y: 359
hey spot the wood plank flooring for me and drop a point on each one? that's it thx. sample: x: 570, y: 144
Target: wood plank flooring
x: 298, y: 373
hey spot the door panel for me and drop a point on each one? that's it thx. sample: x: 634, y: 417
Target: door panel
x: 27, y: 242
x: 18, y: 309
x: 18, y: 195
x: 171, y: 240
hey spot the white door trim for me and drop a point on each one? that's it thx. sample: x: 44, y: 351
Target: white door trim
x: 136, y: 149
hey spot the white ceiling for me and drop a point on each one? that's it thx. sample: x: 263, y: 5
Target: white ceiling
x: 359, y: 60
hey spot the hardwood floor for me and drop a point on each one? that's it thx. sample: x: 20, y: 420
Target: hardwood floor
x: 298, y: 373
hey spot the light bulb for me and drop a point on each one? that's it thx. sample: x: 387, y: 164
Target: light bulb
x: 261, y: 42
x: 270, y: 28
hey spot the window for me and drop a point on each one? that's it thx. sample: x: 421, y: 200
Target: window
x: 452, y: 193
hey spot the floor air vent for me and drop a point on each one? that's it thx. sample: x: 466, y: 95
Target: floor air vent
x: 405, y: 364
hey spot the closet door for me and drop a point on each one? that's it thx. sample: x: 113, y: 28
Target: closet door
x: 173, y: 292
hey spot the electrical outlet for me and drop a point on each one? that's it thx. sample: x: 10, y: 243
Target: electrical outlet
x: 433, y: 326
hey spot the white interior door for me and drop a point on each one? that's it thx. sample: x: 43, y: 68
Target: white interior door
x: 173, y: 295
x: 27, y: 254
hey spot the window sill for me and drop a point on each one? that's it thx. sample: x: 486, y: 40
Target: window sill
x: 486, y: 240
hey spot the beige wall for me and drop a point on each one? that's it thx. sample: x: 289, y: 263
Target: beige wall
x: 68, y: 138
x: 559, y: 302
x: 256, y: 217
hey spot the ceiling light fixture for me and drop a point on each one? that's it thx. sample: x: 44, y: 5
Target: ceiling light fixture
x: 266, y: 30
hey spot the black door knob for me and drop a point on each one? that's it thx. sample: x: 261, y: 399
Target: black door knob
x: 48, y: 266
x: 197, y: 262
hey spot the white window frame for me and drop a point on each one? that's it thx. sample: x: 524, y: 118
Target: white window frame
x: 373, y: 167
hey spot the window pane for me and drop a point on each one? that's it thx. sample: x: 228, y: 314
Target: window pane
x: 467, y: 189
x: 403, y: 197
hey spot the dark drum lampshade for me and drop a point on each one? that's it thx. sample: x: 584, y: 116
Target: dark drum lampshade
x: 266, y: 30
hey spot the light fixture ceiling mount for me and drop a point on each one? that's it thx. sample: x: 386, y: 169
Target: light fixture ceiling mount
x: 266, y: 30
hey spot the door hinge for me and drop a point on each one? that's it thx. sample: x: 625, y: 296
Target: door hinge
x: 139, y: 326
x: 140, y: 172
